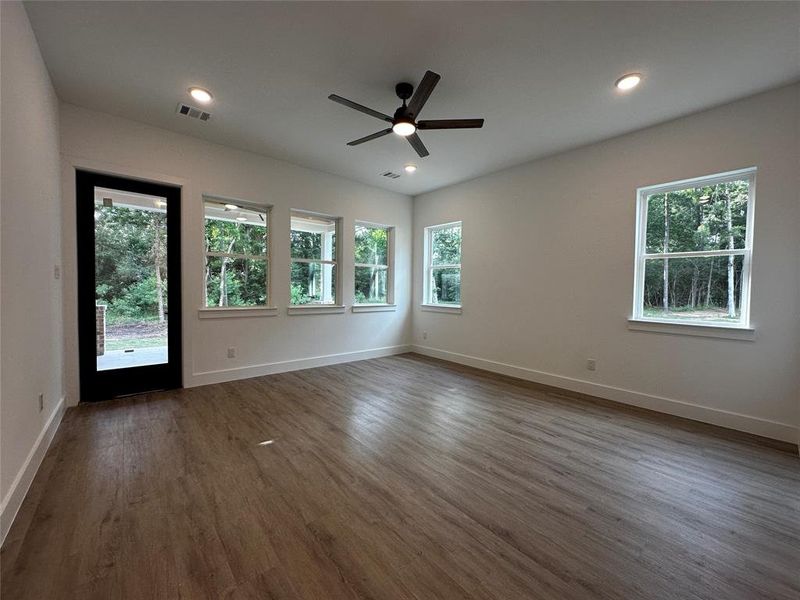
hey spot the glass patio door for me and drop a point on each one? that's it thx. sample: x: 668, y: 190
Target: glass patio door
x: 128, y: 285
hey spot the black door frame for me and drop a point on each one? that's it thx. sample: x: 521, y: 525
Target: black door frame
x: 104, y: 385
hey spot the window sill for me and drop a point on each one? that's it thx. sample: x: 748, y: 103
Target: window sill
x: 454, y: 309
x: 316, y: 309
x: 729, y: 332
x: 368, y: 308
x: 227, y: 312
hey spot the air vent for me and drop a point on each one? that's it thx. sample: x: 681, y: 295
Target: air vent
x: 390, y: 175
x: 192, y: 112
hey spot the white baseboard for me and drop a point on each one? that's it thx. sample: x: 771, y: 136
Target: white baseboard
x: 22, y: 482
x: 222, y: 375
x: 680, y: 408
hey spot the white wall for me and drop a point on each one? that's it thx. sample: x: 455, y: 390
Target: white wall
x: 30, y: 309
x: 264, y: 344
x: 548, y: 254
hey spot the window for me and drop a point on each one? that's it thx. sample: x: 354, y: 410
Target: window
x: 443, y: 265
x: 237, y: 253
x: 694, y: 241
x: 314, y: 259
x: 373, y: 275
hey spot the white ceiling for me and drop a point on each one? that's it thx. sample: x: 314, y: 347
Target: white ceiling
x: 541, y: 74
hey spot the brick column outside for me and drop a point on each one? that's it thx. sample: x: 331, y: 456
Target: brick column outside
x: 100, y: 328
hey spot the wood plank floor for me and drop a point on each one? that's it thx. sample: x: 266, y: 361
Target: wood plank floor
x: 401, y: 478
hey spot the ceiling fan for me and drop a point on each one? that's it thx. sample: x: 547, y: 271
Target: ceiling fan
x: 404, y: 122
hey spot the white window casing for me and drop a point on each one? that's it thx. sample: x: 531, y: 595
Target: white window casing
x: 638, y: 319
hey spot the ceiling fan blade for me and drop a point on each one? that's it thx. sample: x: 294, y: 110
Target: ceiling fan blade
x: 417, y: 144
x: 451, y: 124
x: 360, y: 108
x: 368, y: 138
x: 422, y: 92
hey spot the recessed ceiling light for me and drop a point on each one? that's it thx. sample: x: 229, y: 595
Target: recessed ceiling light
x: 410, y: 168
x: 629, y: 81
x: 231, y: 207
x: 200, y: 94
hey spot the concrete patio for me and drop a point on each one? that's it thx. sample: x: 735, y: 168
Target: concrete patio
x: 139, y: 357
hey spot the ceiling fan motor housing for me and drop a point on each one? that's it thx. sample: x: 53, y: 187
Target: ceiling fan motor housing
x: 402, y: 115
x: 404, y: 91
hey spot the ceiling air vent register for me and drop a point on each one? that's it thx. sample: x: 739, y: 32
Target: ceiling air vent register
x: 192, y: 112
x: 390, y: 175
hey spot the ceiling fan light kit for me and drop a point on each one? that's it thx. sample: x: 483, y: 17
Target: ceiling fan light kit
x: 404, y: 128
x: 404, y: 122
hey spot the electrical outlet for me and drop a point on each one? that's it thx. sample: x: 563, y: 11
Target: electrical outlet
x: 591, y: 364
x: 56, y: 272
x: 231, y: 352
x: 41, y: 402
x: 424, y: 335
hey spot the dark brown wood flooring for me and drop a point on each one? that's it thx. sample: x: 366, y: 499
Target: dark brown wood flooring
x: 401, y: 477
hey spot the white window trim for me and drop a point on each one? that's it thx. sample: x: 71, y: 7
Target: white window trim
x: 699, y: 329
x: 641, y: 323
x: 369, y: 308
x: 389, y: 305
x: 227, y: 312
x: 426, y: 304
x: 321, y: 308
x: 453, y: 309
x: 257, y: 310
x: 315, y: 309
